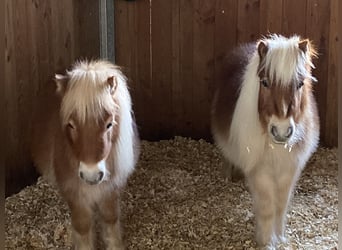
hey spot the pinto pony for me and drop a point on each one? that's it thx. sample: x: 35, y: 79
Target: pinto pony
x: 270, y: 127
x: 85, y: 141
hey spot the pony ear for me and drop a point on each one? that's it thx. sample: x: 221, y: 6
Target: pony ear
x: 113, y: 84
x: 303, y: 45
x: 262, y: 49
x: 61, y: 83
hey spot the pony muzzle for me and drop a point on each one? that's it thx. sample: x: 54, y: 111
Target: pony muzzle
x: 281, y: 131
x: 281, y: 138
x: 92, y: 174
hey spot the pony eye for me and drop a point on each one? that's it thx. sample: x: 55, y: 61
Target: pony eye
x: 70, y: 125
x: 109, y: 125
x: 300, y: 85
x: 264, y: 82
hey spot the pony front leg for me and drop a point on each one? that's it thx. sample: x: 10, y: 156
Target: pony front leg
x: 262, y: 187
x: 82, y: 226
x: 109, y: 208
x: 285, y: 184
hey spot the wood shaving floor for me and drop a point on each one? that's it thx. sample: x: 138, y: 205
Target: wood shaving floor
x: 178, y: 199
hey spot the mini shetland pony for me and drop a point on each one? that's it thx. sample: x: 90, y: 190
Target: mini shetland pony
x: 270, y: 127
x: 85, y: 140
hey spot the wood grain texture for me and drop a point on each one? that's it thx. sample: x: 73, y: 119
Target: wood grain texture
x: 248, y: 20
x: 271, y: 16
x: 86, y: 23
x: 203, y: 65
x: 141, y: 88
x: 177, y: 97
x: 294, y: 17
x: 186, y: 68
x: 317, y: 21
x: 161, y: 45
x: 331, y: 123
x: 339, y: 83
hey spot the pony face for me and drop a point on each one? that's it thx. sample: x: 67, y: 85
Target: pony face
x: 89, y: 117
x: 280, y: 108
x: 91, y: 144
x: 285, y: 83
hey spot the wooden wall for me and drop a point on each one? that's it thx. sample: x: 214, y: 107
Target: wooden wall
x: 42, y: 37
x: 172, y: 51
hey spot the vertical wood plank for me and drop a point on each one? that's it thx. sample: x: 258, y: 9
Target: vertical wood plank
x: 46, y: 39
x: 294, y: 17
x: 317, y: 21
x: 271, y: 16
x: 19, y: 87
x: 63, y: 26
x: 161, y: 31
x: 203, y: 74
x: 331, y: 125
x: 186, y: 67
x: 86, y: 28
x: 339, y: 81
x: 248, y: 20
x: 123, y: 44
x: 10, y: 90
x: 23, y: 77
x: 141, y: 88
x: 177, y: 93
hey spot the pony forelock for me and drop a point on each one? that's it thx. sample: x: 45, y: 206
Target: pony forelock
x: 285, y: 61
x: 88, y: 93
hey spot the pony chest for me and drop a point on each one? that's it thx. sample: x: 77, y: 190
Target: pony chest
x: 278, y: 159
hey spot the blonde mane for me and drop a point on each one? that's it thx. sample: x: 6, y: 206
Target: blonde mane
x: 88, y: 94
x: 285, y: 61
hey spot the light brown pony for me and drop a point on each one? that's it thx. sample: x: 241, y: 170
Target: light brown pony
x: 265, y: 121
x: 85, y: 141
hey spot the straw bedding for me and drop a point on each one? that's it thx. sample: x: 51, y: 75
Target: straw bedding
x: 178, y: 199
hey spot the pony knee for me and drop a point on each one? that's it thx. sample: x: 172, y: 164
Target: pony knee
x: 109, y: 209
x: 81, y: 220
x: 81, y: 226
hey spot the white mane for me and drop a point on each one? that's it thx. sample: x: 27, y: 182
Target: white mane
x: 88, y: 92
x: 285, y: 61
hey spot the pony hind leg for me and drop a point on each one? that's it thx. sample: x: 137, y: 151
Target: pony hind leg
x: 261, y: 185
x: 231, y: 172
x: 109, y: 210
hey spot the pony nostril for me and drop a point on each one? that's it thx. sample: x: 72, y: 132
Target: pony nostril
x: 101, y: 174
x: 289, y: 131
x: 81, y: 175
x: 274, y: 131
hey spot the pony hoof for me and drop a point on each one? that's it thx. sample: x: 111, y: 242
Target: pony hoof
x: 232, y: 173
x: 237, y: 174
x: 282, y: 239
